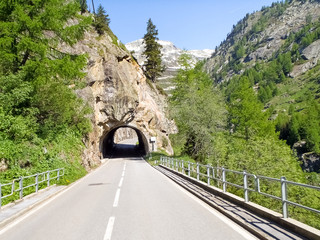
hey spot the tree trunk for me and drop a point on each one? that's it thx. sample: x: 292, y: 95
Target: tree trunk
x: 94, y: 11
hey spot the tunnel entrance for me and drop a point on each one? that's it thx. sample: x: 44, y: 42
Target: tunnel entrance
x: 124, y: 142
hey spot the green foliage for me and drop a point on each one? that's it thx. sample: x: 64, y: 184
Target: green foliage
x: 102, y: 21
x: 153, y: 65
x: 199, y: 111
x: 83, y: 6
x: 245, y: 113
x: 38, y: 107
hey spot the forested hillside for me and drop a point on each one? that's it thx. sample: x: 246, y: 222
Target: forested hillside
x: 277, y: 51
x: 262, y: 111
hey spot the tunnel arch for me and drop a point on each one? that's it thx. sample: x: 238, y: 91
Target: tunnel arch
x: 107, y: 143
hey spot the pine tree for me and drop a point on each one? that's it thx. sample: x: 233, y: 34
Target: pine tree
x: 83, y: 6
x: 34, y: 73
x: 153, y: 66
x: 102, y: 20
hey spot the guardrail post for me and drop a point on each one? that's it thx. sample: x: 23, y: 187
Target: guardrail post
x: 48, y: 178
x: 224, y: 184
x: 21, y: 187
x: 58, y: 178
x: 189, y: 169
x: 245, y: 186
x: 208, y: 174
x: 284, y: 197
x: 198, y: 172
x: 257, y: 182
x: 177, y: 165
x: 37, y: 182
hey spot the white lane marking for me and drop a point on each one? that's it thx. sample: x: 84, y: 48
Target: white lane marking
x: 51, y: 199
x: 116, y: 199
x: 230, y: 223
x: 123, y: 173
x: 120, y: 183
x: 124, y: 167
x: 107, y: 235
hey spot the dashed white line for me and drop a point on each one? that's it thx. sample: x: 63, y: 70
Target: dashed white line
x: 107, y: 235
x: 116, y: 199
x: 120, y: 183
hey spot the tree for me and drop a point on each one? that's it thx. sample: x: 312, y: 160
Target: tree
x: 83, y: 6
x: 199, y: 111
x: 36, y: 102
x: 153, y: 65
x: 245, y: 113
x: 102, y: 21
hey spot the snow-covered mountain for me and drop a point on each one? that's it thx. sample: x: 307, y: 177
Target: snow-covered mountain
x: 170, y: 56
x: 170, y: 53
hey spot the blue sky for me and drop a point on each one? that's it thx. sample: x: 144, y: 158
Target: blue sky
x: 189, y: 24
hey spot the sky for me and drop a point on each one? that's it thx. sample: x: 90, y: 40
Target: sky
x: 189, y: 24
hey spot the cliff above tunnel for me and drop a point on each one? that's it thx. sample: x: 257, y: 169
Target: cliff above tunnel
x: 120, y: 96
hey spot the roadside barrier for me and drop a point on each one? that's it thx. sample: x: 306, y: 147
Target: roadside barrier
x: 223, y: 178
x: 24, y: 182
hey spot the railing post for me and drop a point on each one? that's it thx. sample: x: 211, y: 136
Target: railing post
x: 177, y: 165
x: 48, y: 178
x: 208, y: 174
x: 58, y: 178
x: 213, y: 175
x: 198, y: 172
x: 284, y: 197
x: 21, y: 187
x: 245, y: 186
x: 224, y: 184
x: 257, y: 181
x: 37, y: 182
x: 189, y: 169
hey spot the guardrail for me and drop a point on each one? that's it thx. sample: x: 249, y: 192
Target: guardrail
x: 17, y: 185
x: 242, y: 180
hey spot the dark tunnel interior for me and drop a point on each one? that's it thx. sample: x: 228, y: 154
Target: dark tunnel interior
x: 110, y: 149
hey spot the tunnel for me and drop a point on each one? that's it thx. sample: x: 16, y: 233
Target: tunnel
x: 124, y: 149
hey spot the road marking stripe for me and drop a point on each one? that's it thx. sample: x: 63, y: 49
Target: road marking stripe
x: 116, y: 199
x: 107, y: 235
x: 120, y: 183
x: 123, y: 173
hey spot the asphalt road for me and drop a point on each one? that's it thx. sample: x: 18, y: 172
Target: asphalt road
x: 123, y: 199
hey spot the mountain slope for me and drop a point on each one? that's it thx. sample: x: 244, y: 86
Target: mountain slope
x: 277, y: 50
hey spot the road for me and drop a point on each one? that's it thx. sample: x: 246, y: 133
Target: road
x: 123, y: 199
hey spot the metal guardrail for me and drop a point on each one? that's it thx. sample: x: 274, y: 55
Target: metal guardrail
x: 17, y: 185
x: 249, y: 182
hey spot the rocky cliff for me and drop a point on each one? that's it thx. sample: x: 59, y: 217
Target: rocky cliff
x: 261, y: 36
x: 119, y: 95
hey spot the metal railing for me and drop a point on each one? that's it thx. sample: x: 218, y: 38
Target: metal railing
x: 17, y: 185
x: 242, y: 180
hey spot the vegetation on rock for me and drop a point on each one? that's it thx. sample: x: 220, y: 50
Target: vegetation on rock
x: 42, y: 121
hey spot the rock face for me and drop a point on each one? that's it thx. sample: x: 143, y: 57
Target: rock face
x: 118, y: 93
x: 261, y: 45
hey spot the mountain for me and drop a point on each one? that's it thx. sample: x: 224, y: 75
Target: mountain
x: 170, y: 57
x: 277, y: 50
x: 261, y: 36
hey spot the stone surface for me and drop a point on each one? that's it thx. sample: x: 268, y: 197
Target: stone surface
x: 268, y: 41
x: 119, y: 94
